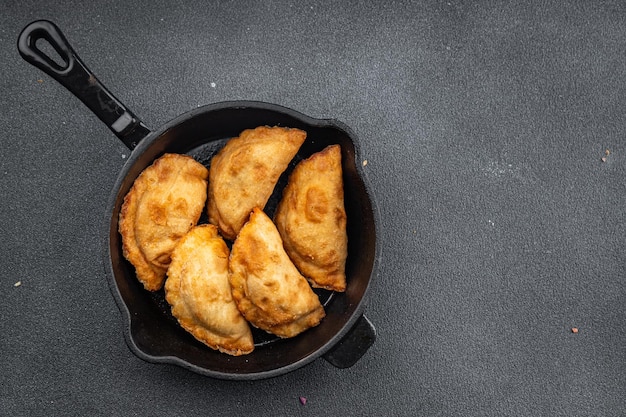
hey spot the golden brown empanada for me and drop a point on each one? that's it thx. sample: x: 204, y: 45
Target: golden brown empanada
x: 311, y: 219
x: 267, y: 287
x: 164, y: 203
x: 243, y: 174
x: 198, y: 290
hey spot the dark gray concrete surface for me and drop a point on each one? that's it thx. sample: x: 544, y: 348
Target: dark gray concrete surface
x: 484, y: 125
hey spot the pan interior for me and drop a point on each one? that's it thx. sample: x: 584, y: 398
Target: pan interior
x: 155, y: 335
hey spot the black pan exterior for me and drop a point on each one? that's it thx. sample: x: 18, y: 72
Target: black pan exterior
x: 151, y: 332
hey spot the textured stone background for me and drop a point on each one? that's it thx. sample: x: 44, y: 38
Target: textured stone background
x: 484, y: 125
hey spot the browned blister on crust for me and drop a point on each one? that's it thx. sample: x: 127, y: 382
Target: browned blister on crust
x: 311, y: 219
x: 198, y: 290
x: 164, y: 203
x: 244, y: 173
x: 267, y: 287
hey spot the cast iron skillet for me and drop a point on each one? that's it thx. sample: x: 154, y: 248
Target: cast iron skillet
x: 150, y: 331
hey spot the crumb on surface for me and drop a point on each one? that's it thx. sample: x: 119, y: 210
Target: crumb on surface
x: 17, y: 284
x: 574, y: 330
x: 364, y: 162
x: 302, y: 400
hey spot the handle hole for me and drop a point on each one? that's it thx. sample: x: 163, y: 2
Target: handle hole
x: 51, y: 54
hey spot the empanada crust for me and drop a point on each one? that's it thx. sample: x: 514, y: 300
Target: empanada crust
x: 311, y: 219
x: 164, y: 203
x: 198, y: 290
x: 244, y: 173
x: 268, y: 289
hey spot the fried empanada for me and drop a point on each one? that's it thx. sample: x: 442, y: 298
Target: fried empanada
x: 311, y: 219
x: 198, y: 290
x: 243, y: 174
x: 267, y: 287
x: 164, y: 203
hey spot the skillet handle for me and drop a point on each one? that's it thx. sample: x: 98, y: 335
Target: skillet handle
x: 70, y: 72
x: 353, y: 345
